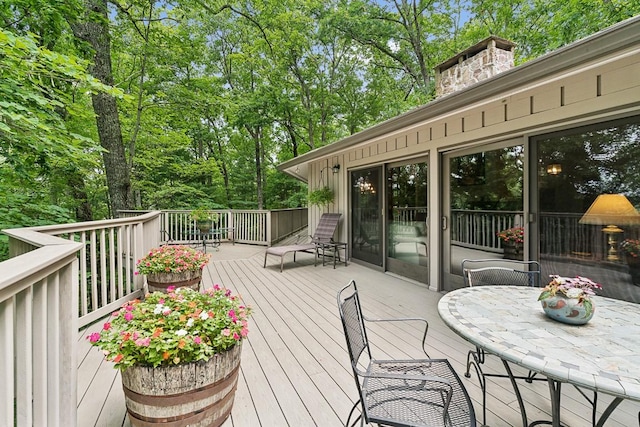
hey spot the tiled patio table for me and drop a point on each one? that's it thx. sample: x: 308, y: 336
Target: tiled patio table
x: 508, y: 321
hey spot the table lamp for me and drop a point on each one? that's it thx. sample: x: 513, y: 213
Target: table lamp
x: 611, y: 210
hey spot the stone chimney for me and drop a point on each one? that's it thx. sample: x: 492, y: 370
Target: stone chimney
x: 491, y: 56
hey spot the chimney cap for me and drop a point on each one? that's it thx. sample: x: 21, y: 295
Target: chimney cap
x: 501, y: 43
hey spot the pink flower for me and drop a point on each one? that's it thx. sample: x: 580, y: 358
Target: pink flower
x: 244, y: 332
x: 143, y: 342
x: 216, y: 287
x: 128, y: 316
x: 94, y: 337
x: 226, y: 332
x: 236, y: 336
x: 166, y: 311
x: 171, y: 288
x: 197, y: 340
x: 106, y: 326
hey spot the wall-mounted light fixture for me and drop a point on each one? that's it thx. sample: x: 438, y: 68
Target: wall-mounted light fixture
x: 554, y: 169
x: 336, y: 168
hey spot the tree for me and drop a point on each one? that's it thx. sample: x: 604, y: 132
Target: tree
x: 93, y: 28
x: 37, y: 88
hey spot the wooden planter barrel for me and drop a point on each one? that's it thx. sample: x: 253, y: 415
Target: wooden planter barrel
x: 185, y: 279
x: 513, y: 251
x: 195, y: 394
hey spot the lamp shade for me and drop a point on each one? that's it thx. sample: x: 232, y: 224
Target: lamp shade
x: 610, y: 209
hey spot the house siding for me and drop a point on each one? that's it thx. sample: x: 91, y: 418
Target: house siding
x: 598, y: 90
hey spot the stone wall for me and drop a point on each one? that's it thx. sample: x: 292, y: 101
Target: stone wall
x: 473, y: 68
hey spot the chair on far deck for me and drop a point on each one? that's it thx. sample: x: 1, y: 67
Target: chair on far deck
x: 324, y: 233
x: 414, y: 392
x: 483, y: 272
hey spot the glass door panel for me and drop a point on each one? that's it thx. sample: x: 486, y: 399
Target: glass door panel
x: 366, y: 218
x: 407, y: 237
x: 588, y: 188
x: 484, y: 201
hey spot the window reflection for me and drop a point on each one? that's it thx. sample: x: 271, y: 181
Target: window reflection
x: 588, y: 211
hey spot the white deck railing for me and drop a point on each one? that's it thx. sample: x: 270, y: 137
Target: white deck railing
x: 58, y: 279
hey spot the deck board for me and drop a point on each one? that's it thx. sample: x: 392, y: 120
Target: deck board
x: 295, y: 369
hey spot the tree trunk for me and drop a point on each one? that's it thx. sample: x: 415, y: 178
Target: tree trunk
x: 95, y: 31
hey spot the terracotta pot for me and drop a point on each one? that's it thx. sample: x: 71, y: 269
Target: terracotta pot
x: 161, y: 281
x: 194, y: 394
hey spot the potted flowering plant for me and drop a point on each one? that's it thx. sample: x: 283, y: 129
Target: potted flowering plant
x: 512, y: 242
x: 172, y: 265
x: 569, y: 300
x: 203, y: 218
x: 630, y: 247
x: 196, y: 334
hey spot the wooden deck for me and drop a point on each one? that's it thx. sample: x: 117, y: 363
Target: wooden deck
x: 295, y: 368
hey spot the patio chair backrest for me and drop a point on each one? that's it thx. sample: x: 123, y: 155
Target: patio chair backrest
x: 353, y: 324
x: 326, y: 227
x: 482, y: 272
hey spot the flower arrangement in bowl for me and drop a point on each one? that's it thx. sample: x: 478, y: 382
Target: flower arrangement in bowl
x: 569, y: 299
x: 172, y: 265
x: 512, y: 235
x: 180, y: 326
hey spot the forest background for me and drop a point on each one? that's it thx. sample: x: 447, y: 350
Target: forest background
x: 156, y: 104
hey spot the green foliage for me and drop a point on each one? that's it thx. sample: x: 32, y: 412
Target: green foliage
x: 321, y: 196
x: 216, y: 98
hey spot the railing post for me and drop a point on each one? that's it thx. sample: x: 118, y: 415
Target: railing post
x: 268, y: 230
x: 68, y: 315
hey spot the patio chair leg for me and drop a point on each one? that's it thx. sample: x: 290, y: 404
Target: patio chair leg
x: 478, y: 359
x: 361, y: 418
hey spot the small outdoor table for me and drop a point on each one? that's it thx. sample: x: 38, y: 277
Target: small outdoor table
x: 508, y: 321
x: 213, y: 238
x: 333, y: 249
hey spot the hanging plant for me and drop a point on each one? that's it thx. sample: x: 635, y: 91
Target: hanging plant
x: 321, y: 196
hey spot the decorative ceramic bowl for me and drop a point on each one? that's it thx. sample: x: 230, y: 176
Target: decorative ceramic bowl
x: 567, y: 310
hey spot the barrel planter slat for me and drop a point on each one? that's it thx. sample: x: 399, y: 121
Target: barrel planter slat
x: 194, y: 394
x: 185, y: 279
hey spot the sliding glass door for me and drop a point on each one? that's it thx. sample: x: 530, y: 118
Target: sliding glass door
x: 366, y: 215
x: 407, y: 237
x: 483, y: 203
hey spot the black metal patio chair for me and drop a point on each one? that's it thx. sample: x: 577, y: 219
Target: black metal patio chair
x: 414, y: 392
x: 484, y: 272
